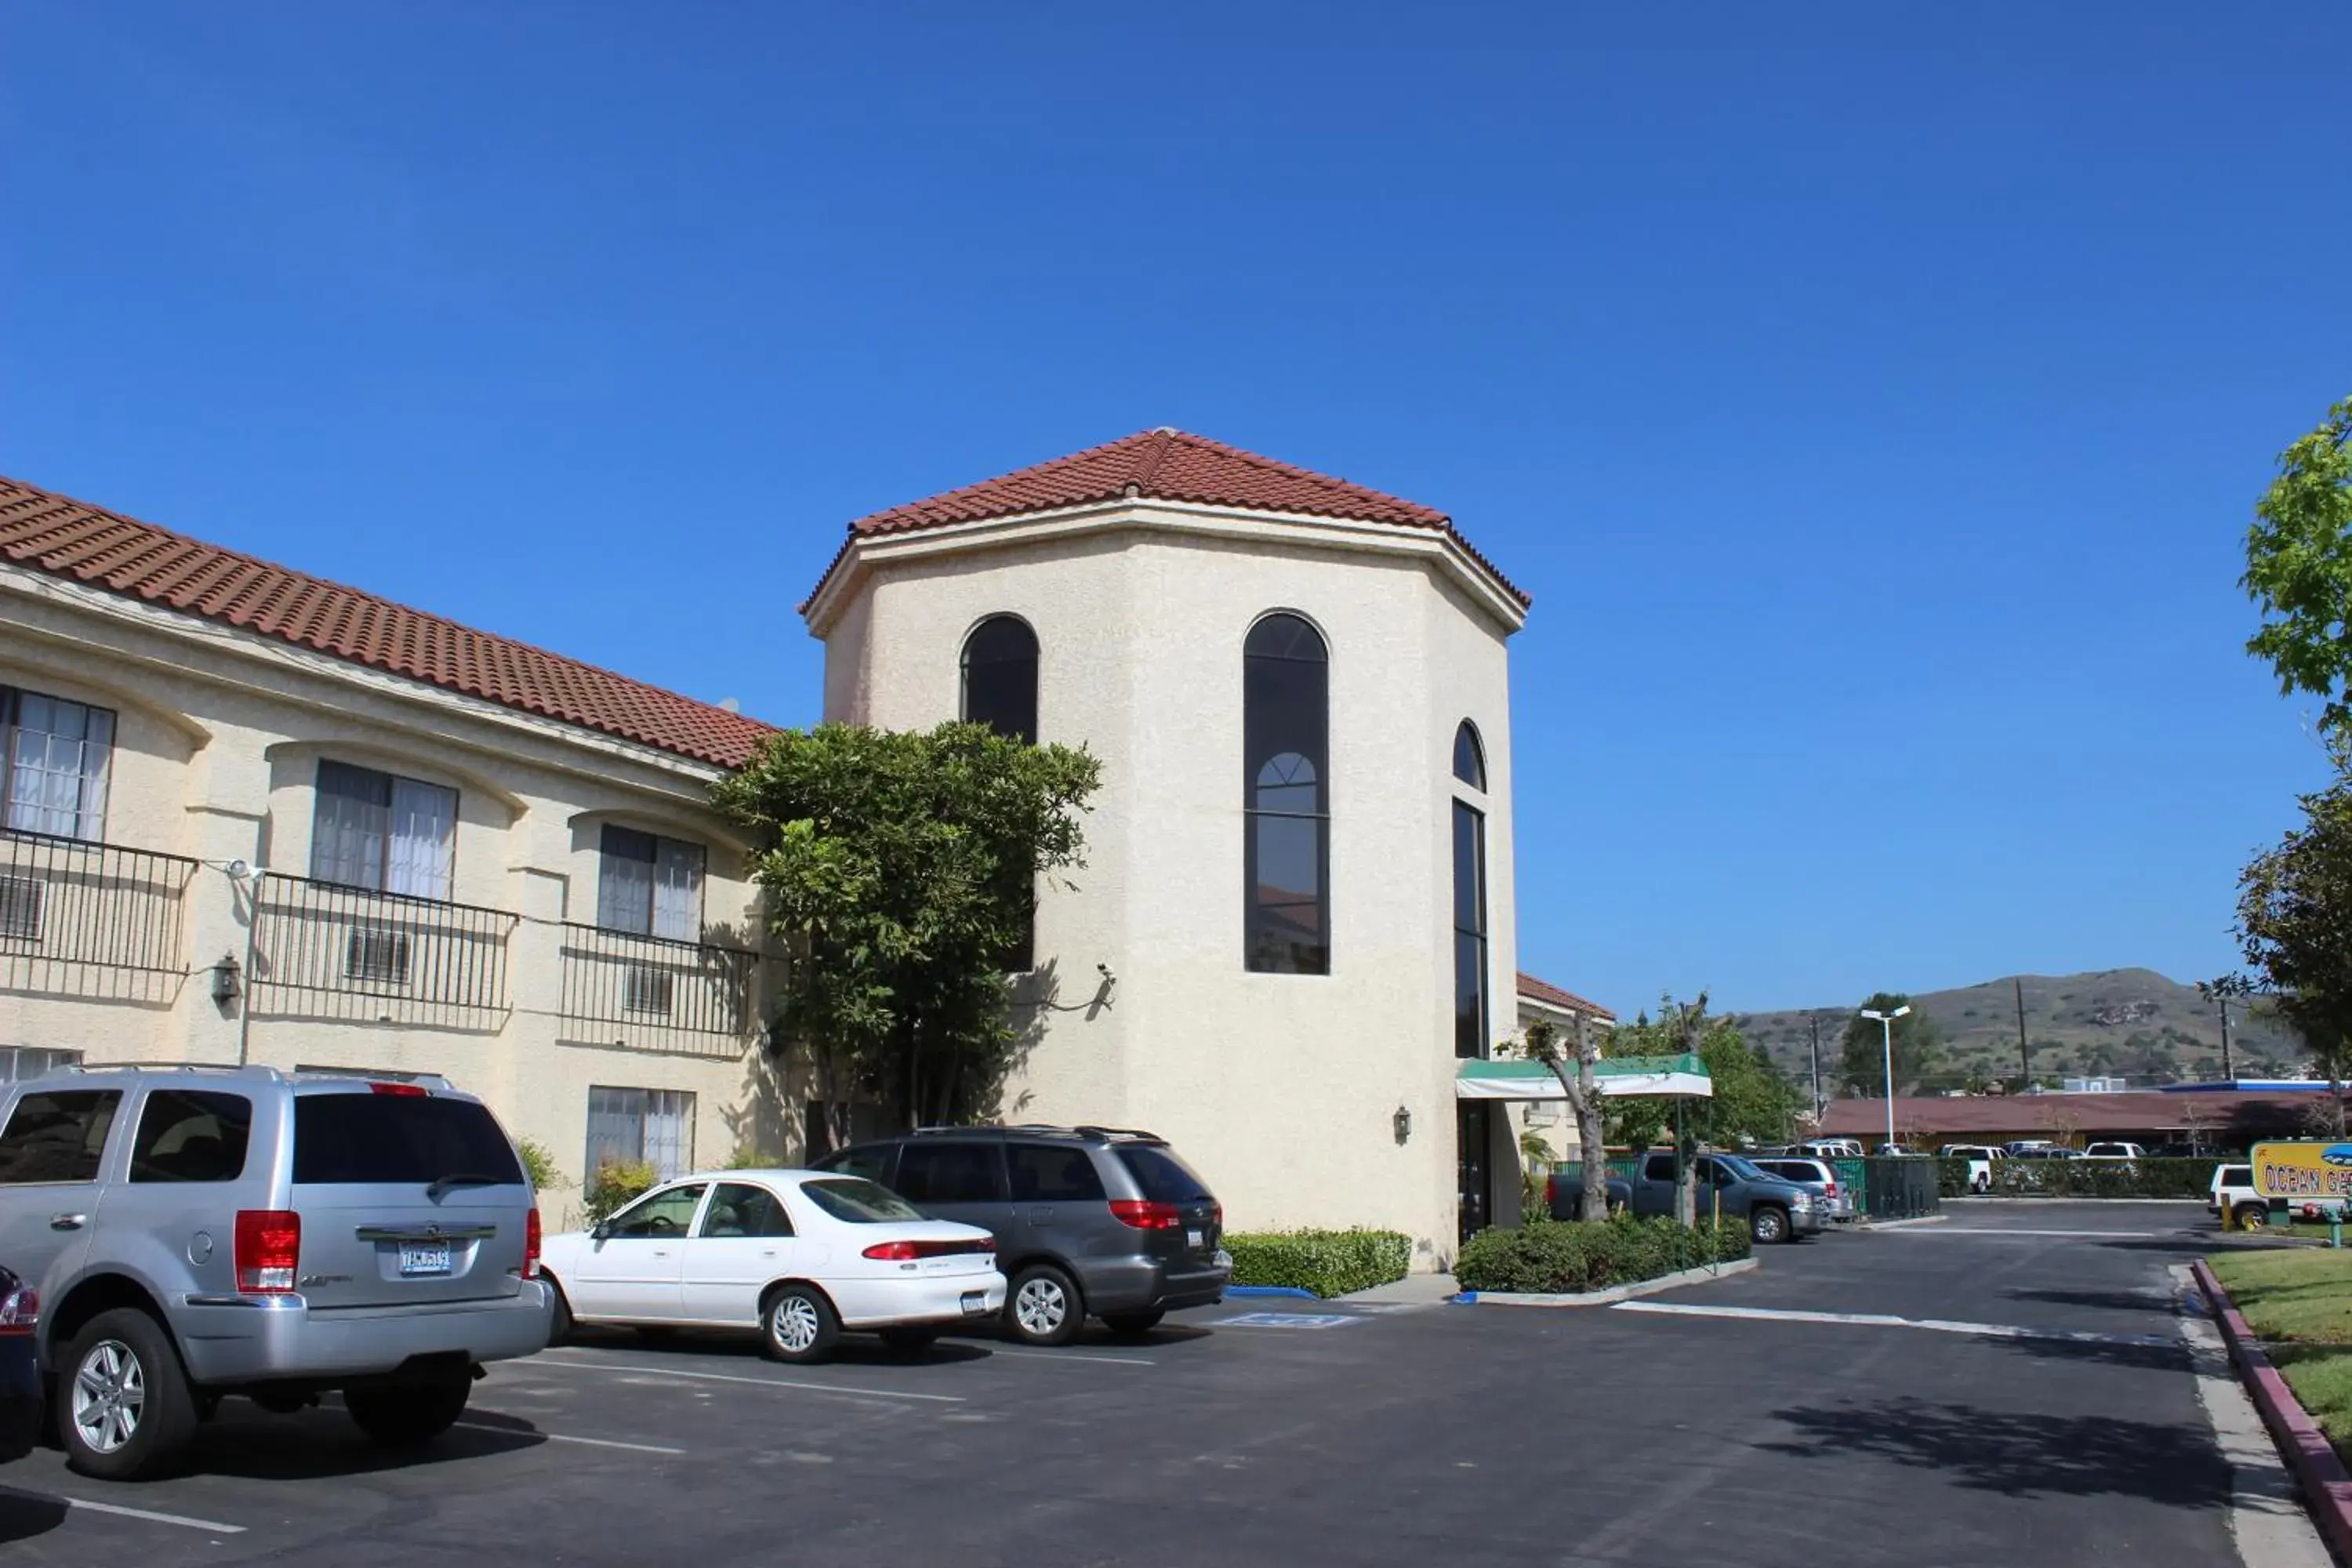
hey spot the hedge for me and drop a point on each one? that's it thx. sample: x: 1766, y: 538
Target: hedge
x: 2143, y: 1178
x: 1567, y: 1257
x: 1328, y: 1262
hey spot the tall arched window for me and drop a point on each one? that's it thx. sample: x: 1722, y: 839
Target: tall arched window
x: 1286, y: 798
x: 999, y: 677
x: 1469, y: 756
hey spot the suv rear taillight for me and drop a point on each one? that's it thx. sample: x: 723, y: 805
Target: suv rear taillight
x: 1829, y: 1190
x: 20, y: 1309
x: 531, y: 1236
x: 1146, y: 1216
x: 908, y: 1251
x: 269, y: 1246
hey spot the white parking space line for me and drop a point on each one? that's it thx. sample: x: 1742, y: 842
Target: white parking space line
x: 2016, y: 1230
x: 1888, y: 1320
x: 1020, y: 1354
x: 656, y: 1374
x: 210, y: 1526
x: 567, y: 1438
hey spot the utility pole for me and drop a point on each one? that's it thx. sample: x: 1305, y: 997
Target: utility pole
x: 2226, y: 1073
x: 1817, y: 1065
x: 2024, y: 1051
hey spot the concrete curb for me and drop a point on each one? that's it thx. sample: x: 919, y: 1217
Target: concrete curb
x: 1294, y: 1291
x: 1604, y: 1298
x: 2326, y: 1487
x: 1899, y: 1223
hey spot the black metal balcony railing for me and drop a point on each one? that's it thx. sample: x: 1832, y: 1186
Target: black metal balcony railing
x: 65, y: 901
x: 345, y: 944
x: 623, y: 981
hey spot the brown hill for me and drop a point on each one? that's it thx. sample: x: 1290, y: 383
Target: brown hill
x: 2133, y: 1024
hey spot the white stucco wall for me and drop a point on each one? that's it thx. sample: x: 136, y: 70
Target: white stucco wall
x: 217, y: 742
x: 1282, y: 1089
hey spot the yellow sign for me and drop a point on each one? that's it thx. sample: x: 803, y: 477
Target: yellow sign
x: 2319, y: 1170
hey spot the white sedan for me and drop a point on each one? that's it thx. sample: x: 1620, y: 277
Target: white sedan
x: 799, y: 1255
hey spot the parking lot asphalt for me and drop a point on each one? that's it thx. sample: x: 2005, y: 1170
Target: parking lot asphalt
x: 2037, y: 1407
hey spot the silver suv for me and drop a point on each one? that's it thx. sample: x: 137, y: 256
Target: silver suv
x: 196, y: 1232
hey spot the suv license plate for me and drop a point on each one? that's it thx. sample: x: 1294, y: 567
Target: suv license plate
x: 976, y: 1302
x: 1193, y: 1240
x: 424, y: 1257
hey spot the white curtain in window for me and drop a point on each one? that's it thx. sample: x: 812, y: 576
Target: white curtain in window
x: 669, y: 1132
x: 60, y: 753
x: 655, y: 1125
x: 423, y: 835
x: 677, y: 891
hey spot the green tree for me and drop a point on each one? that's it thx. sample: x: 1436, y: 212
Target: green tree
x: 2295, y: 923
x: 899, y: 868
x: 1752, y: 1103
x: 2299, y: 568
x: 1861, y: 1056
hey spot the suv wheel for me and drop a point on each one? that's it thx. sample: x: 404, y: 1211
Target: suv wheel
x: 1767, y: 1224
x: 2252, y: 1216
x: 798, y: 1325
x: 126, y: 1413
x: 403, y: 1414
x: 1042, y: 1306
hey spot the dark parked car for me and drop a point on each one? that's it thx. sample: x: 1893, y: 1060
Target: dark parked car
x: 1087, y: 1220
x: 20, y: 1367
x: 1776, y: 1209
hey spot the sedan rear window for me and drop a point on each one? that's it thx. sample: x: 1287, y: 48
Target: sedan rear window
x: 1163, y: 1178
x: 348, y: 1140
x: 858, y: 1201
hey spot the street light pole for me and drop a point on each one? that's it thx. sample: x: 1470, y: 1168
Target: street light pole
x: 1886, y: 1022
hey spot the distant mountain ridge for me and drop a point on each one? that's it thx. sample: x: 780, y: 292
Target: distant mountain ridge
x: 2133, y: 1024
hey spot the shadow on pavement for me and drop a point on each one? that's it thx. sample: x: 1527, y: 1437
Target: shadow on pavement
x: 2112, y: 1301
x: 2165, y: 1354
x: 24, y: 1515
x: 2023, y: 1456
x: 323, y: 1443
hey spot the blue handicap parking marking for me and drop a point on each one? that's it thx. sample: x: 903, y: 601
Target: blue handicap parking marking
x: 1287, y: 1321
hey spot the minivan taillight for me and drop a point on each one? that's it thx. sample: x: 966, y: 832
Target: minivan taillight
x: 380, y: 1087
x: 20, y: 1309
x: 1145, y: 1216
x: 531, y: 1236
x: 908, y: 1251
x: 269, y: 1246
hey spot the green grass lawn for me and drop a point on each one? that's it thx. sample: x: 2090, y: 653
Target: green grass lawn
x: 2300, y: 1303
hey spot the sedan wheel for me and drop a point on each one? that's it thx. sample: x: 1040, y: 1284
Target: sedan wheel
x: 800, y: 1325
x: 1042, y: 1306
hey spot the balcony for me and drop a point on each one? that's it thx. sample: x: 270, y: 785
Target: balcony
x: 91, y: 920
x: 649, y: 993
x: 327, y: 952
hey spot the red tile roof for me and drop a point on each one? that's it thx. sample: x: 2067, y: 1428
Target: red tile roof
x: 84, y: 543
x: 1164, y: 465
x: 1551, y: 996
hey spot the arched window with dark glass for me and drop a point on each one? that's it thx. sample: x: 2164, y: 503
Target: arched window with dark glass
x: 1469, y: 756
x: 999, y: 677
x: 1286, y: 798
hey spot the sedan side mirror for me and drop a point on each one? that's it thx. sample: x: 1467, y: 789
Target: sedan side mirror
x: 602, y: 1230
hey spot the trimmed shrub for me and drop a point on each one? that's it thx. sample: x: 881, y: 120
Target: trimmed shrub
x: 1559, y: 1258
x: 614, y: 1184
x: 538, y: 1164
x: 1328, y: 1262
x: 2146, y: 1178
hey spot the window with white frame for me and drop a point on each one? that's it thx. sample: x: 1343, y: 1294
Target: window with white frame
x: 386, y: 833
x: 59, y: 756
x: 648, y: 1126
x: 18, y: 1063
x: 649, y: 886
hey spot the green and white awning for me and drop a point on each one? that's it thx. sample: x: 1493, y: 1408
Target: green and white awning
x: 1618, y: 1078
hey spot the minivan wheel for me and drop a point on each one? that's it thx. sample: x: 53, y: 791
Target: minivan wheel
x: 401, y: 1415
x: 1042, y: 1306
x: 798, y: 1325
x: 1132, y: 1325
x: 1767, y: 1226
x: 126, y: 1413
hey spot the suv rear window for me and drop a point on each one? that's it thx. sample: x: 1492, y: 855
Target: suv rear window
x: 345, y: 1140
x: 1163, y: 1178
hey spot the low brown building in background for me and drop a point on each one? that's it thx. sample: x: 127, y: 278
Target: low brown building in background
x: 2218, y: 1118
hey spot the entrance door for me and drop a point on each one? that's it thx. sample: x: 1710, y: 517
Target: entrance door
x: 1473, y: 1131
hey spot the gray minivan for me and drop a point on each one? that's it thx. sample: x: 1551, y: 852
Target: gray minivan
x: 1087, y: 1220
x: 197, y: 1232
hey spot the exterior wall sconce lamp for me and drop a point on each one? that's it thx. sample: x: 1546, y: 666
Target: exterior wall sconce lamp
x: 223, y: 976
x: 1402, y: 1123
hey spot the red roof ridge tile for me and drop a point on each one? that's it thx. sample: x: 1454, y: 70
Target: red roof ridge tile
x: 67, y: 538
x: 1559, y: 996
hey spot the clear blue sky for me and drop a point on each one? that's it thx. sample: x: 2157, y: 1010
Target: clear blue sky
x: 1874, y: 397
